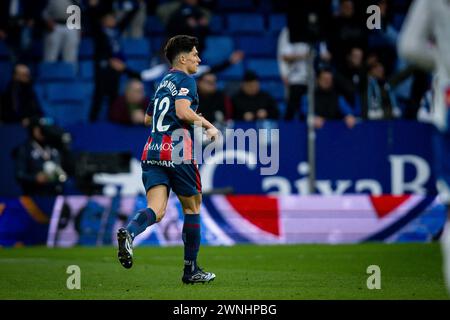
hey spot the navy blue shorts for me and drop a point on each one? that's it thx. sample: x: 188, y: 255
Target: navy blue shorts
x: 183, y: 179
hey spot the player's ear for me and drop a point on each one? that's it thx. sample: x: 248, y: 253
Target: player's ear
x: 182, y: 58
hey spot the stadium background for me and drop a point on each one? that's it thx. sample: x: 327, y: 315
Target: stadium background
x: 374, y: 179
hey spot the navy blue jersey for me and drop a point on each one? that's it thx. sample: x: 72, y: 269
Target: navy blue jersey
x: 175, y: 85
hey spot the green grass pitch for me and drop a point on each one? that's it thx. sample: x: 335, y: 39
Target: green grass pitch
x: 408, y: 271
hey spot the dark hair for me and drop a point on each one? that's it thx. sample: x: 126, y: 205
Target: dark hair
x: 179, y: 44
x: 250, y: 75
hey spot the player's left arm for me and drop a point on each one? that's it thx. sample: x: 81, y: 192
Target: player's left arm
x: 183, y: 100
x: 185, y: 113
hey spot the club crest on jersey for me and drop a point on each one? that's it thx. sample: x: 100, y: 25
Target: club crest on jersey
x: 183, y: 92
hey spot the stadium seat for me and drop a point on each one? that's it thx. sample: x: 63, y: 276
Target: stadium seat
x: 257, y: 46
x: 6, y: 68
x: 239, y: 23
x: 63, y: 99
x: 274, y: 88
x: 39, y: 89
x: 63, y: 92
x: 88, y: 89
x: 79, y: 113
x: 281, y: 107
x: 267, y: 69
x: 56, y: 71
x: 234, y: 72
x: 86, y: 70
x: 217, y: 49
x: 86, y: 49
x: 138, y: 64
x: 216, y: 25
x: 4, y: 51
x: 37, y: 49
x: 157, y: 43
x: 234, y: 5
x: 277, y: 22
x: 265, y: 6
x: 136, y: 48
x: 154, y: 26
x: 220, y: 84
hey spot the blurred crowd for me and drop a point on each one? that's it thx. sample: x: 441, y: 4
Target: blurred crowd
x: 358, y: 73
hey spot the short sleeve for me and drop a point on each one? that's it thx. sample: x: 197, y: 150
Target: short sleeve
x: 187, y: 89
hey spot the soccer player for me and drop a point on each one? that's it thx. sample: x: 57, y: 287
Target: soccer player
x: 425, y: 42
x: 172, y: 109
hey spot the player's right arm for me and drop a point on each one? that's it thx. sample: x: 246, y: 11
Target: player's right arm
x: 147, y: 120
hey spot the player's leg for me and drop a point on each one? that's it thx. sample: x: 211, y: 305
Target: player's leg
x: 157, y: 198
x: 156, y: 183
x: 191, y: 229
x: 186, y: 184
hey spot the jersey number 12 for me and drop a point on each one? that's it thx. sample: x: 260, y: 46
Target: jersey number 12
x: 164, y: 106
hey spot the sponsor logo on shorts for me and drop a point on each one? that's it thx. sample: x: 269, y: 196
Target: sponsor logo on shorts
x: 162, y: 163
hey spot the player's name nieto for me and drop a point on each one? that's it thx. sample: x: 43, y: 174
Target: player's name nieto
x: 163, y: 163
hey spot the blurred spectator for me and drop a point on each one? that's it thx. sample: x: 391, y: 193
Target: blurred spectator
x: 18, y: 19
x: 250, y: 103
x: 329, y: 105
x: 130, y: 108
x: 347, y: 31
x: 411, y: 100
x: 58, y: 38
x: 165, y: 10
x: 384, y: 41
x: 380, y: 98
x: 191, y: 19
x: 293, y: 70
x: 293, y: 65
x: 214, y: 104
x: 19, y: 102
x: 135, y: 28
x: 38, y: 164
x: 351, y: 79
x: 109, y: 60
